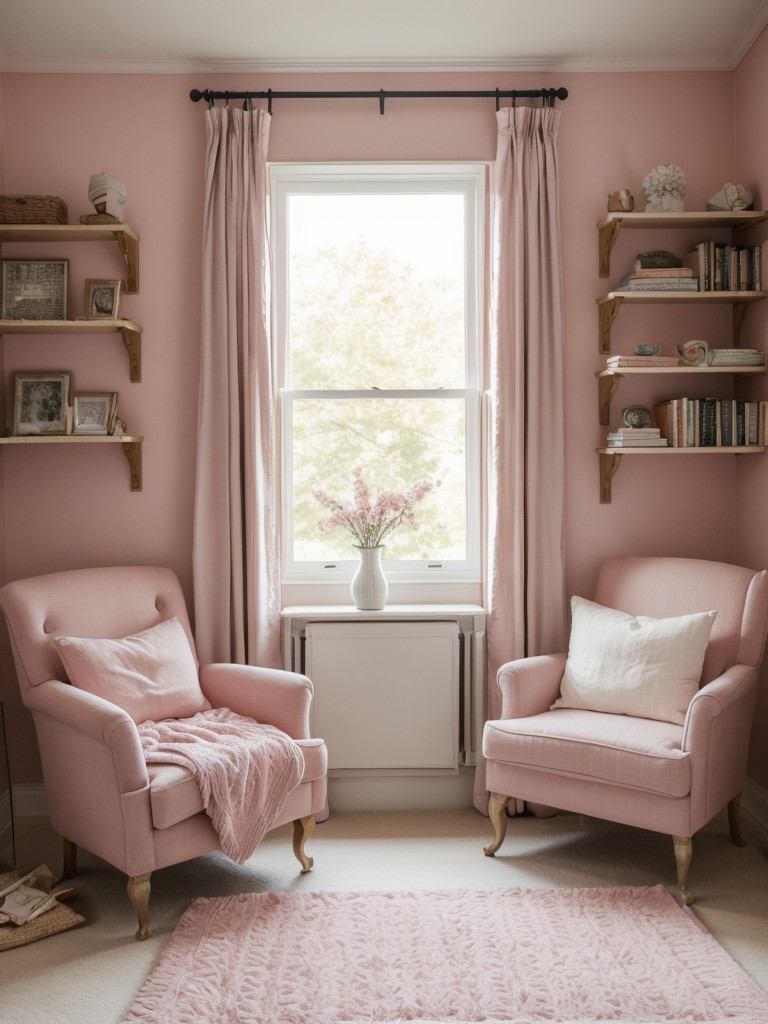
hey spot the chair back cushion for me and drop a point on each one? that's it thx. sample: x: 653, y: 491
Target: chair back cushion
x: 100, y: 602
x: 152, y: 675
x: 664, y: 587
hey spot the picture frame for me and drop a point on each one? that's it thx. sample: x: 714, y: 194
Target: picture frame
x: 94, y: 412
x: 34, y: 290
x: 41, y: 402
x: 102, y: 299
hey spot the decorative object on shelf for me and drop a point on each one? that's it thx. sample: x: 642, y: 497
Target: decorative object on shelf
x: 637, y: 416
x: 94, y: 412
x: 657, y: 259
x: 735, y: 357
x: 647, y: 350
x: 108, y: 196
x: 694, y: 353
x: 369, y: 588
x: 731, y: 197
x: 34, y: 290
x: 102, y: 299
x: 32, y: 210
x: 370, y: 522
x: 621, y: 201
x: 40, y: 402
x: 664, y: 188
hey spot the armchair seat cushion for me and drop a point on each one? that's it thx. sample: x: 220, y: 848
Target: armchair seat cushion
x: 638, y: 753
x: 175, y: 795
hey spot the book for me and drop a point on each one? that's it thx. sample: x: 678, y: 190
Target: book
x: 649, y: 272
x: 658, y: 284
x: 647, y: 442
x: 637, y: 432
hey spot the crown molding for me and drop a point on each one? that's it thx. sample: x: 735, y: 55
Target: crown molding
x: 749, y: 36
x: 443, y: 65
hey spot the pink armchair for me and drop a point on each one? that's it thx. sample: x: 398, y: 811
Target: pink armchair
x: 667, y: 776
x: 101, y: 793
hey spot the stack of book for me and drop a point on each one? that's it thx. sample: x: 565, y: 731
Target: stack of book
x: 712, y: 422
x: 659, y: 279
x: 636, y: 437
x: 718, y: 266
x: 616, y: 362
x: 735, y: 357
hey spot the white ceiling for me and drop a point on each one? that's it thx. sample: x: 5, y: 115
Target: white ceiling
x: 167, y: 36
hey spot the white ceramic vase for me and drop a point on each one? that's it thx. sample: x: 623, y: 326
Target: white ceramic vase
x: 370, y: 588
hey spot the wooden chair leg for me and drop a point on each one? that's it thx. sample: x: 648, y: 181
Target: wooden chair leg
x: 683, y: 853
x: 734, y: 823
x: 302, y: 830
x: 69, y: 858
x: 497, y: 812
x: 138, y: 894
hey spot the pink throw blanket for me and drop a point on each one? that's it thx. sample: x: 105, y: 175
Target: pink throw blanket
x: 245, y: 770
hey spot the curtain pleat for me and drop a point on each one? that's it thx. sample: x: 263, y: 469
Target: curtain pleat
x: 526, y: 594
x: 236, y: 552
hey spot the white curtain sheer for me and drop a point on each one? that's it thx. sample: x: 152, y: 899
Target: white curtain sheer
x: 235, y: 556
x: 527, y: 606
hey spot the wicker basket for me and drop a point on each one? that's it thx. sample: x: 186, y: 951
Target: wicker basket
x: 32, y: 210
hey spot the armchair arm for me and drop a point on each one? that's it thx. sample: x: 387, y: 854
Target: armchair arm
x: 271, y: 696
x: 529, y: 686
x: 729, y: 699
x: 716, y: 737
x: 91, y: 722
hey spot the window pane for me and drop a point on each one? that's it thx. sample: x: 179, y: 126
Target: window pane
x: 376, y: 290
x: 396, y: 442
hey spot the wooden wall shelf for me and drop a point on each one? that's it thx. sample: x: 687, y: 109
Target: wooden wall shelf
x: 129, y: 331
x: 609, y: 228
x: 608, y: 380
x: 131, y: 447
x: 610, y: 459
x: 126, y: 238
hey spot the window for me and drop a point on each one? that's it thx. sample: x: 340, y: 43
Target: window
x: 376, y: 283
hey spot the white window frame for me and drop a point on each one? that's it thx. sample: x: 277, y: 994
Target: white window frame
x: 287, y: 179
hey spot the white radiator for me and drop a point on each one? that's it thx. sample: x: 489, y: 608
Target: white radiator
x: 389, y: 694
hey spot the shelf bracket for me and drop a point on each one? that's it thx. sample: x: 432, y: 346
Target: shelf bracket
x: 132, y: 341
x: 132, y: 451
x: 609, y: 464
x: 607, y: 235
x: 608, y: 310
x: 129, y: 247
x: 608, y: 387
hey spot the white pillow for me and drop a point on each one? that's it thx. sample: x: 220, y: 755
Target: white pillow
x: 633, y: 664
x: 151, y: 675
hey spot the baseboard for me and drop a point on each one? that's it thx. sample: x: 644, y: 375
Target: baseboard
x: 29, y: 801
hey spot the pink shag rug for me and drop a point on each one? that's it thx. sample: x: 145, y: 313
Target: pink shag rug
x: 525, y: 956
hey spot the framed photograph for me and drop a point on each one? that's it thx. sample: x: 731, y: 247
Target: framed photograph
x: 34, y: 290
x: 93, y: 412
x: 102, y: 299
x: 40, y: 402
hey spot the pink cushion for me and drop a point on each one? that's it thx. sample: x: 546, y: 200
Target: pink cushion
x: 634, y: 752
x: 152, y: 675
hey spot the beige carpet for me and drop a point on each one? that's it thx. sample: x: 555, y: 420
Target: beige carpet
x: 91, y: 974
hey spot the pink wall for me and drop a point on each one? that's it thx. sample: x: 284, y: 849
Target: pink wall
x: 751, y: 495
x: 69, y: 508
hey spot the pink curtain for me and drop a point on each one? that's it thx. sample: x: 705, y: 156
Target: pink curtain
x: 235, y: 558
x: 527, y: 606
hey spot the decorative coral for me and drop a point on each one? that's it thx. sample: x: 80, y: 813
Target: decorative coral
x: 664, y: 188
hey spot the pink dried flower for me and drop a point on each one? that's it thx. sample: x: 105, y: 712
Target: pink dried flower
x: 369, y: 523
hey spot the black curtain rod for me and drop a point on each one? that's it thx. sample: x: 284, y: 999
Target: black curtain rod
x: 548, y: 95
